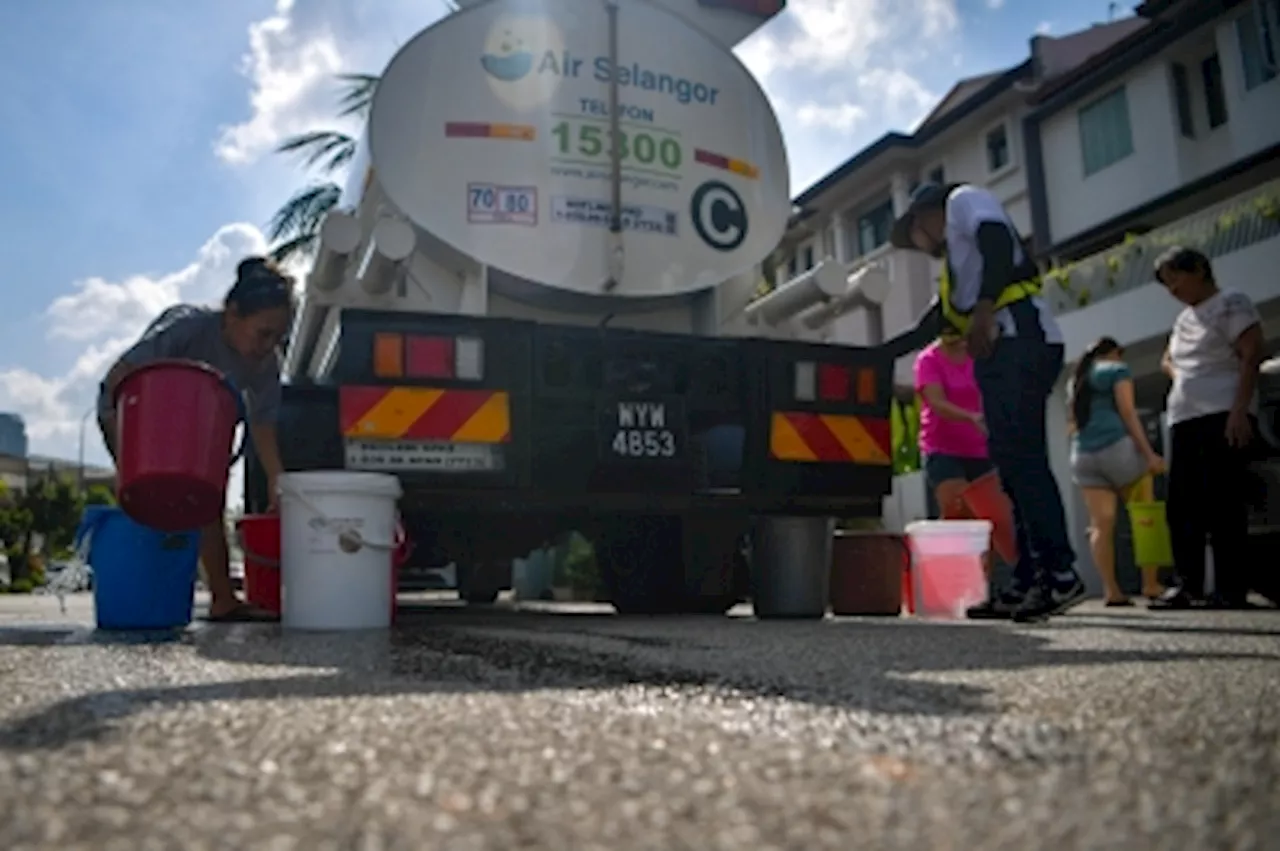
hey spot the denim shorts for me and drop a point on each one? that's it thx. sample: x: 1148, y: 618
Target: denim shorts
x: 1113, y: 467
x: 940, y: 468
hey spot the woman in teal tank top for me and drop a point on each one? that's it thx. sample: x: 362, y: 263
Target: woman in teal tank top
x: 1110, y: 456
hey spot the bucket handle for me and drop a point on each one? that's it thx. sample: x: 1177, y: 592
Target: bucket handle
x: 262, y: 560
x: 352, y: 538
x: 242, y: 416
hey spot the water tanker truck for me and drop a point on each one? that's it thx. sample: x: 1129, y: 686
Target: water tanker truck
x: 534, y: 305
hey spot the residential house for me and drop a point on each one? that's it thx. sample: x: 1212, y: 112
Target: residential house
x: 974, y: 134
x: 1171, y: 135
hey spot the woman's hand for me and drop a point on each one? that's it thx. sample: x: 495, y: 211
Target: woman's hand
x: 1239, y: 430
x: 273, y: 496
x: 1155, y: 463
x: 979, y: 422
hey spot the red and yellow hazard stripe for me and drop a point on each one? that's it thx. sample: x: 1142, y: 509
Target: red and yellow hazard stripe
x: 825, y: 438
x: 425, y: 413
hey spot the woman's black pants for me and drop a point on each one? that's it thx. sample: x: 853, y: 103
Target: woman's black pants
x: 1208, y: 503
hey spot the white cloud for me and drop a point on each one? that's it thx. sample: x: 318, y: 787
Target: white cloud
x: 106, y: 317
x: 995, y: 4
x: 291, y: 76
x: 1044, y: 27
x: 841, y: 116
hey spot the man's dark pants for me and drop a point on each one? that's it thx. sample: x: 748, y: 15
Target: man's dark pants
x: 1016, y: 381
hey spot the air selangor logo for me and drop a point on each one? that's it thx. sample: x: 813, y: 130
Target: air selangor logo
x: 511, y: 62
x: 508, y: 58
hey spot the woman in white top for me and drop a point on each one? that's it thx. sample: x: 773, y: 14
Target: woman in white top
x: 1213, y: 356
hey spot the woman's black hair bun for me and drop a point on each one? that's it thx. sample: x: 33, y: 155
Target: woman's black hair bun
x: 252, y: 266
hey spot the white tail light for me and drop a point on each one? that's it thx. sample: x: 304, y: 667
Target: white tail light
x: 469, y: 358
x: 806, y: 381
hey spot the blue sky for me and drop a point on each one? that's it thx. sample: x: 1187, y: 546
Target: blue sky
x: 136, y: 159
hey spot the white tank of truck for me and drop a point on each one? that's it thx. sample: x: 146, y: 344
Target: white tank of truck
x: 487, y: 182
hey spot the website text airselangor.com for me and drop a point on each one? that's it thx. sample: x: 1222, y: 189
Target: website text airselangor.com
x: 635, y: 181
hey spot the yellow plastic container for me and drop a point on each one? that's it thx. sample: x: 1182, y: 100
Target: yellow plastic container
x: 1152, y: 545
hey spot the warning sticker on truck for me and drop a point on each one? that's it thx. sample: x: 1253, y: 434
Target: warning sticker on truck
x: 490, y: 204
x: 592, y: 212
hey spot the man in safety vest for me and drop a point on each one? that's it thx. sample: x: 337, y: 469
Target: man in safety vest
x: 990, y: 289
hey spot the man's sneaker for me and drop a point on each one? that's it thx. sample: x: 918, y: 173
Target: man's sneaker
x: 1053, y: 596
x: 1000, y: 607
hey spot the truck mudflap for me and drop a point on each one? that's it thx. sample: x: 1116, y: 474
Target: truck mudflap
x: 819, y: 434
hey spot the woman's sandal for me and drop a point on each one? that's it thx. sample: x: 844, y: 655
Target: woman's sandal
x: 243, y: 613
x: 1119, y: 604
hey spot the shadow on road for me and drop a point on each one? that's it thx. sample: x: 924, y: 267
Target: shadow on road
x: 853, y: 664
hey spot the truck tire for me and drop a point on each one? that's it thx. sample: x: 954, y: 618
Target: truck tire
x: 480, y: 583
x: 641, y: 565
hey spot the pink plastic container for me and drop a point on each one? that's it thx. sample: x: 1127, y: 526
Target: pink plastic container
x: 946, y: 570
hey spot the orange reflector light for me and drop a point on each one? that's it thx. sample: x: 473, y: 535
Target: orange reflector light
x: 866, y: 386
x: 388, y: 355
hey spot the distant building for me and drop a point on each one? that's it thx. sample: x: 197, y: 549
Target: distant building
x: 15, y: 473
x: 13, y: 436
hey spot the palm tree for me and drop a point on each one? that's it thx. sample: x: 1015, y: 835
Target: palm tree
x: 294, y: 229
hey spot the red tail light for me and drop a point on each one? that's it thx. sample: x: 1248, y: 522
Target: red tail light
x: 429, y: 357
x: 833, y: 382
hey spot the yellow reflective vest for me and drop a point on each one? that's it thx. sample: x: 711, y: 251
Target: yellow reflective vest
x: 1011, y: 294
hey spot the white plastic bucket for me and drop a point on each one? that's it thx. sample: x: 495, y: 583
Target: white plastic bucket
x: 946, y: 565
x: 338, y: 531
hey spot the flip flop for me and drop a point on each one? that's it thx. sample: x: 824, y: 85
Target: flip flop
x: 243, y: 613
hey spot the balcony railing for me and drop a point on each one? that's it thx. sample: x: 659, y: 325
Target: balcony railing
x: 1237, y: 223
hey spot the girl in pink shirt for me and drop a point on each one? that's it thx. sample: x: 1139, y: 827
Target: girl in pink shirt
x: 953, y: 435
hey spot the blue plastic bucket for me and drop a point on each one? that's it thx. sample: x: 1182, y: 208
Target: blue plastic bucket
x: 142, y: 578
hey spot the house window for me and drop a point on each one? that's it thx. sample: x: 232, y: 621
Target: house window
x: 997, y: 149
x: 1215, y: 97
x: 793, y: 266
x: 1258, y: 31
x: 1182, y: 97
x: 1105, y: 134
x: 938, y: 176
x: 807, y: 258
x: 874, y: 227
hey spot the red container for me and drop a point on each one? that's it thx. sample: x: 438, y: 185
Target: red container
x: 176, y: 422
x: 986, y: 500
x: 260, y: 541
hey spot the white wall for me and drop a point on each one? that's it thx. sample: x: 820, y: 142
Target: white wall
x: 1148, y: 312
x: 1162, y: 159
x: 1078, y: 202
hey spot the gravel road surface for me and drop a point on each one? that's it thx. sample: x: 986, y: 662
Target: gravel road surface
x: 567, y: 728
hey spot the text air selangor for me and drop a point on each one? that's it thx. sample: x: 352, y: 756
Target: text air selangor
x: 514, y: 66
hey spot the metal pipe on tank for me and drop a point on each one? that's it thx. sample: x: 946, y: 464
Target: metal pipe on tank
x: 816, y: 286
x: 392, y: 244
x: 339, y: 238
x: 867, y: 287
x: 616, y: 258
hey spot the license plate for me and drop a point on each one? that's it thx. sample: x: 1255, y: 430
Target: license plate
x: 424, y: 456
x: 643, y: 430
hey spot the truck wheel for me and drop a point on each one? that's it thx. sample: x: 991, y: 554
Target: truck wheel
x: 479, y: 584
x: 641, y: 565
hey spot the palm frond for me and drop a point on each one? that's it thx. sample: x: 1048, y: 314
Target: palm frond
x: 299, y: 246
x: 357, y: 94
x: 327, y: 149
x: 304, y: 212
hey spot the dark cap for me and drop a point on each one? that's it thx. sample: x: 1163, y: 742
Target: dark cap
x: 926, y: 196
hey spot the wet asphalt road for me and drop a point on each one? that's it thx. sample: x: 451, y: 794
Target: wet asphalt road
x: 568, y: 729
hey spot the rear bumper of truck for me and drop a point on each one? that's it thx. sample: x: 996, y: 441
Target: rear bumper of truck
x: 752, y: 426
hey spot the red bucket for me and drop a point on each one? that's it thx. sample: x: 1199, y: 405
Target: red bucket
x: 986, y: 500
x: 260, y: 542
x: 176, y: 422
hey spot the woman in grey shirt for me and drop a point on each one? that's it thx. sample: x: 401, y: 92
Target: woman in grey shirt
x: 1213, y: 356
x: 242, y: 341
